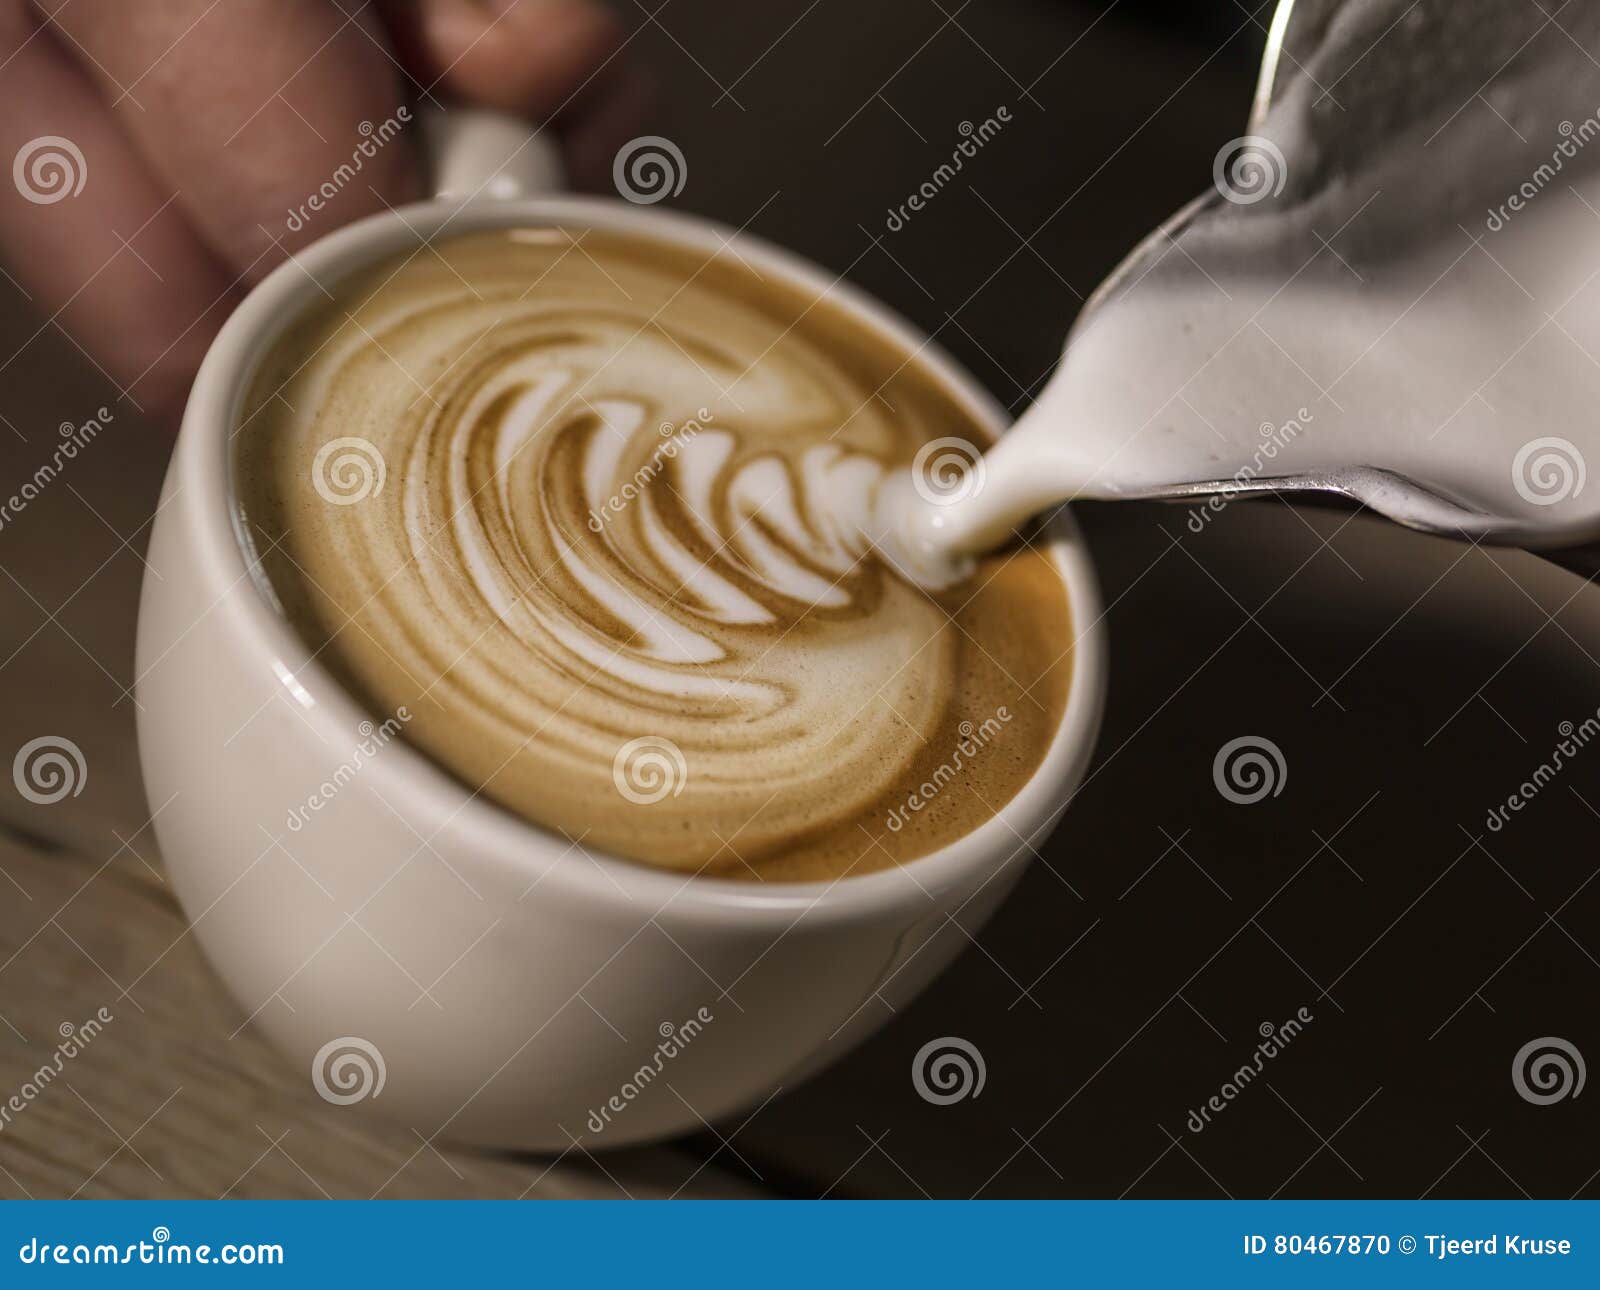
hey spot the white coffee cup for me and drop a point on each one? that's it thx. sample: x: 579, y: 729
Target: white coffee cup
x: 418, y: 950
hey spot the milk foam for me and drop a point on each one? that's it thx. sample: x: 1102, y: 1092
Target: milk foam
x: 629, y: 503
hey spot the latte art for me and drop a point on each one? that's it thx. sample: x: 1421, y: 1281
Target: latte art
x: 600, y: 514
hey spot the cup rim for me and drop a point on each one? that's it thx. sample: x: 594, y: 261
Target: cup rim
x: 203, y: 465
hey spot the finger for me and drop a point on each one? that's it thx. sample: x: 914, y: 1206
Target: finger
x: 526, y: 56
x: 117, y: 264
x: 275, y: 120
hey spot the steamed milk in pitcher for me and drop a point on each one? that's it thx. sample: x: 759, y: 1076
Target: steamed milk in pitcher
x: 1400, y: 268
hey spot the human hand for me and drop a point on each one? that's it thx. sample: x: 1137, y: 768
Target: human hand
x: 203, y: 127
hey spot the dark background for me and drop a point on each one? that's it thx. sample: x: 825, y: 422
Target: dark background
x: 1411, y: 685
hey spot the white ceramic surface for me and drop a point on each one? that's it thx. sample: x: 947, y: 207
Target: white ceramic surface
x: 511, y: 985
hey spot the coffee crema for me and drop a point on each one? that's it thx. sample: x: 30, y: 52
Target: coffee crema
x: 595, y: 510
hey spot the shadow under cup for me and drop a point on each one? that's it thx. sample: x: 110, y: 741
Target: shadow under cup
x: 510, y: 981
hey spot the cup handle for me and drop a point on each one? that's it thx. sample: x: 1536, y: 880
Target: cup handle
x: 477, y: 153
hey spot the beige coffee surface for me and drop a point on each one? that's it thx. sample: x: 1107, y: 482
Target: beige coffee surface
x: 592, y: 511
